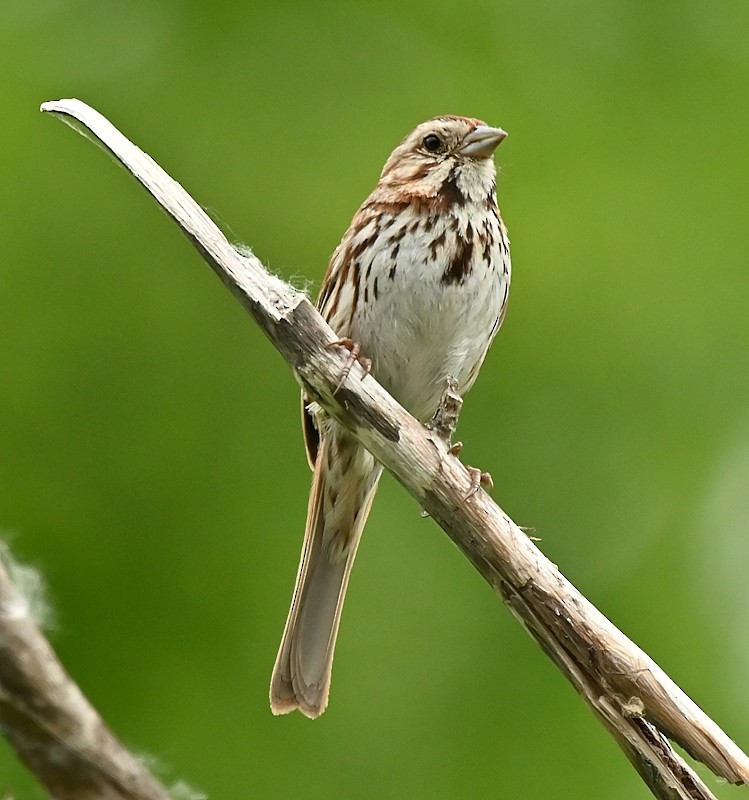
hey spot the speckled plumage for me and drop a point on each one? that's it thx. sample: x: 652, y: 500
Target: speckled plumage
x: 420, y: 280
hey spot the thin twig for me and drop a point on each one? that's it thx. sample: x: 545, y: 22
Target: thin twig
x: 633, y: 698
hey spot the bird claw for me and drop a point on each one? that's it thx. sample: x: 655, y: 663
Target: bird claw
x: 355, y: 356
x: 478, y: 479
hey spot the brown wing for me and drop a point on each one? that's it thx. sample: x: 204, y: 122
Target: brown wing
x: 310, y: 433
x: 328, y: 305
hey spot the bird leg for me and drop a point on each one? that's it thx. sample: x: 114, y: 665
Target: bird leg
x: 355, y: 355
x: 445, y: 421
x: 478, y: 478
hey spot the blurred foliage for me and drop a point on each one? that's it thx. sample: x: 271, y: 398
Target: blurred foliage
x: 153, y: 467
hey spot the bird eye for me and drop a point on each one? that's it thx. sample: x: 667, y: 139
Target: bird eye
x: 432, y: 142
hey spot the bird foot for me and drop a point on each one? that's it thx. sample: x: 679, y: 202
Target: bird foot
x: 355, y: 356
x: 444, y: 422
x: 478, y: 479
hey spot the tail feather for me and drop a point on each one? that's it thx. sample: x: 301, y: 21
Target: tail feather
x: 335, y: 520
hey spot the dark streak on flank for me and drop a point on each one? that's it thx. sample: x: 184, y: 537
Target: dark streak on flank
x: 356, y: 283
x: 365, y: 244
x: 460, y: 266
x: 436, y: 243
x: 333, y: 284
x: 503, y: 243
x: 399, y: 234
x: 429, y: 223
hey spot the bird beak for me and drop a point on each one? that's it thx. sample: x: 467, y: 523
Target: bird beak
x: 482, y: 142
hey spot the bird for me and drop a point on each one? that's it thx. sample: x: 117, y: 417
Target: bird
x: 418, y: 286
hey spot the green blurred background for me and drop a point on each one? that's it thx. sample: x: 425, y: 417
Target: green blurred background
x: 152, y: 463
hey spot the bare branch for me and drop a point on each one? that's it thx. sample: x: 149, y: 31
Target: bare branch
x: 634, y: 699
x: 53, y: 728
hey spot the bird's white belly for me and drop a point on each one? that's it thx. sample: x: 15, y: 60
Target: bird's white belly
x: 421, y: 329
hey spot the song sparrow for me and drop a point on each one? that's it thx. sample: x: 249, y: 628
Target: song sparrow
x: 420, y: 280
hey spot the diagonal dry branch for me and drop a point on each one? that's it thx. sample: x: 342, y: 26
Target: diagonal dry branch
x: 634, y: 699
